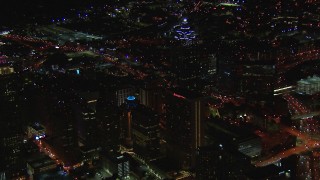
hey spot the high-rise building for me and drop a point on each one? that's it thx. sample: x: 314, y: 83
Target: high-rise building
x: 6, y: 68
x: 184, y: 33
x: 87, y: 122
x: 246, y: 71
x: 11, y: 144
x: 123, y: 93
x: 108, y: 116
x: 185, y: 112
x: 113, y: 112
x: 192, y: 65
x: 151, y: 98
x: 310, y: 85
x: 227, y: 151
x: 117, y: 164
x: 238, y: 138
x: 11, y: 128
x: 126, y: 121
x: 39, y: 164
x: 145, y: 132
x: 62, y: 137
x: 65, y: 131
x: 204, y: 163
x: 117, y: 89
x: 221, y: 162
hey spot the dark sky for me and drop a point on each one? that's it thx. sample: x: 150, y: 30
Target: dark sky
x: 19, y: 11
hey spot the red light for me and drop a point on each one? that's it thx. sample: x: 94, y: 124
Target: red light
x: 178, y: 96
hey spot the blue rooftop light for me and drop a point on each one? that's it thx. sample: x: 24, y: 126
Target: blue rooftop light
x: 131, y: 98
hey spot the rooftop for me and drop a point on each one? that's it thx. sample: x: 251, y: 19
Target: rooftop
x: 40, y: 161
x: 37, y: 127
x: 310, y: 80
x: 185, y: 93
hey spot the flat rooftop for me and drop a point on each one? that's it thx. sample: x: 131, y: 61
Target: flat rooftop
x: 185, y: 93
x: 40, y: 161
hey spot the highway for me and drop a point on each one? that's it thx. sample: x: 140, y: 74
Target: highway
x: 309, y: 142
x: 288, y: 62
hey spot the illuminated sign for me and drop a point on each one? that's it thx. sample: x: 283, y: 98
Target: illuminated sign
x: 178, y: 96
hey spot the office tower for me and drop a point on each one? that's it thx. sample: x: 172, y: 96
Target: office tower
x: 87, y: 122
x: 61, y: 127
x: 227, y: 152
x: 11, y: 128
x: 145, y: 133
x: 6, y: 67
x: 309, y: 86
x: 11, y: 144
x: 151, y: 97
x: 184, y: 115
x: 118, y: 164
x: 221, y: 162
x: 237, y: 137
x: 38, y: 165
x: 108, y: 115
x: 184, y: 33
x: 192, y: 65
x: 113, y: 112
x: 4, y: 70
x: 87, y: 127
x: 244, y: 70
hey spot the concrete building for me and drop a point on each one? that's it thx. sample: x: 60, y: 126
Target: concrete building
x: 145, y: 132
x: 117, y: 164
x: 185, y: 112
x: 6, y: 70
x: 36, y: 131
x: 39, y: 164
x: 309, y: 86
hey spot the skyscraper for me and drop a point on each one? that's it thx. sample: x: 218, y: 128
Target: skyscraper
x: 87, y: 122
x: 145, y: 132
x: 108, y: 116
x: 126, y: 121
x: 185, y: 112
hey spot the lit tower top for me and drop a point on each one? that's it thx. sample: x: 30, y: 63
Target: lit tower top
x: 131, y: 98
x: 183, y: 32
x: 131, y: 105
x: 131, y: 102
